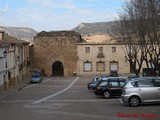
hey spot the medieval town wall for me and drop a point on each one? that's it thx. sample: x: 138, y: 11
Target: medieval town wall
x: 50, y: 47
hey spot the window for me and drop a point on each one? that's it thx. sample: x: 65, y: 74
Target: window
x: 122, y: 83
x: 147, y: 83
x: 87, y: 49
x: 100, y: 66
x: 113, y: 49
x: 113, y: 84
x: 113, y: 66
x: 6, y: 64
x: 102, y: 84
x: 87, y: 66
x: 134, y: 84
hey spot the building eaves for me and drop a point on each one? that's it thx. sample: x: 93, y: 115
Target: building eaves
x: 2, y: 31
x: 12, y: 40
x: 100, y: 43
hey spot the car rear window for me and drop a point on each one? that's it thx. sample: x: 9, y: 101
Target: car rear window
x: 122, y: 83
x: 113, y: 84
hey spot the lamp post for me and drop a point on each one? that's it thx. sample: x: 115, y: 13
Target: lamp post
x: 4, y: 54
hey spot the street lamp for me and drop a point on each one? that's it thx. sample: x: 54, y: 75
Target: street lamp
x: 4, y: 54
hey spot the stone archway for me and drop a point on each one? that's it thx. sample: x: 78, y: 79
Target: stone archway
x: 57, y: 69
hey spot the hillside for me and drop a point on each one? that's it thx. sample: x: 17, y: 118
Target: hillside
x: 91, y: 32
x: 95, y: 32
x: 23, y: 33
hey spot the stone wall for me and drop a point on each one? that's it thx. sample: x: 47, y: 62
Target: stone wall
x: 50, y: 47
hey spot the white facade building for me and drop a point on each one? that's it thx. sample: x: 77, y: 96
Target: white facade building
x: 13, y: 56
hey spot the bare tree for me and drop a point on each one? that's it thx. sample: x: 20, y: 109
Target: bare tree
x: 138, y: 31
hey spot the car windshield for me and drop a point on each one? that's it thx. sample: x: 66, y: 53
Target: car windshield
x: 104, y: 78
x: 35, y: 76
x: 96, y: 81
x: 103, y: 84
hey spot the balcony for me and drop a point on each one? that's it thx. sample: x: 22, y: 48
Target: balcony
x: 100, y: 55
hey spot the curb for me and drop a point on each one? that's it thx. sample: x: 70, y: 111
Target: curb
x: 14, y: 89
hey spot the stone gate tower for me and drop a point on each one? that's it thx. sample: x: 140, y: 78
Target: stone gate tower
x: 56, y: 52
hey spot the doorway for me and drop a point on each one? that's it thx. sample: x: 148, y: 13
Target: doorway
x: 57, y: 69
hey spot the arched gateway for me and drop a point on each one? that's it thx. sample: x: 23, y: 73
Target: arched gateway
x: 59, y: 46
x: 57, y: 69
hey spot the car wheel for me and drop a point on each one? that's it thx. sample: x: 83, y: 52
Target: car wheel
x: 134, y: 101
x: 106, y: 94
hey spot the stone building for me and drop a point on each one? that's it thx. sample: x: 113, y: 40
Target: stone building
x: 101, y: 59
x: 65, y: 53
x: 55, y: 53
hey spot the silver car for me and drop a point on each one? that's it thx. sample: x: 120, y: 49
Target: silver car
x: 141, y: 90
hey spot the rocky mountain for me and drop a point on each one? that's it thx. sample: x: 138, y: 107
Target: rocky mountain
x: 95, y: 32
x: 97, y: 28
x: 22, y: 33
x: 91, y: 32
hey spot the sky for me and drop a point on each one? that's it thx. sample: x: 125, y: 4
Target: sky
x: 54, y: 15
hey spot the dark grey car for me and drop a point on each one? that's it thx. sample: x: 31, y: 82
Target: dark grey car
x: 141, y: 90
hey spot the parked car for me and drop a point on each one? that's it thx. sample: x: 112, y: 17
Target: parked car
x: 36, y: 77
x: 132, y: 76
x: 141, y: 90
x: 113, y: 74
x: 112, y: 86
x: 95, y: 81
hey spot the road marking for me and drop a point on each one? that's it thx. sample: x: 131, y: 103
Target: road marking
x: 120, y: 100
x: 47, y: 80
x: 55, y: 94
x: 28, y: 87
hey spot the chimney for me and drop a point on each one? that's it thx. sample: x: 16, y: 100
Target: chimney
x: 2, y: 34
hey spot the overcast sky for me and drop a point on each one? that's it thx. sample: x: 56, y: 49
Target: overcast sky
x: 57, y: 14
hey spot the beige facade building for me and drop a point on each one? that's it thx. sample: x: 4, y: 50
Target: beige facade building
x: 101, y: 59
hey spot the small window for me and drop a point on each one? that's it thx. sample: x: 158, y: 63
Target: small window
x: 147, y: 83
x: 113, y: 49
x: 87, y: 49
x: 87, y: 66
